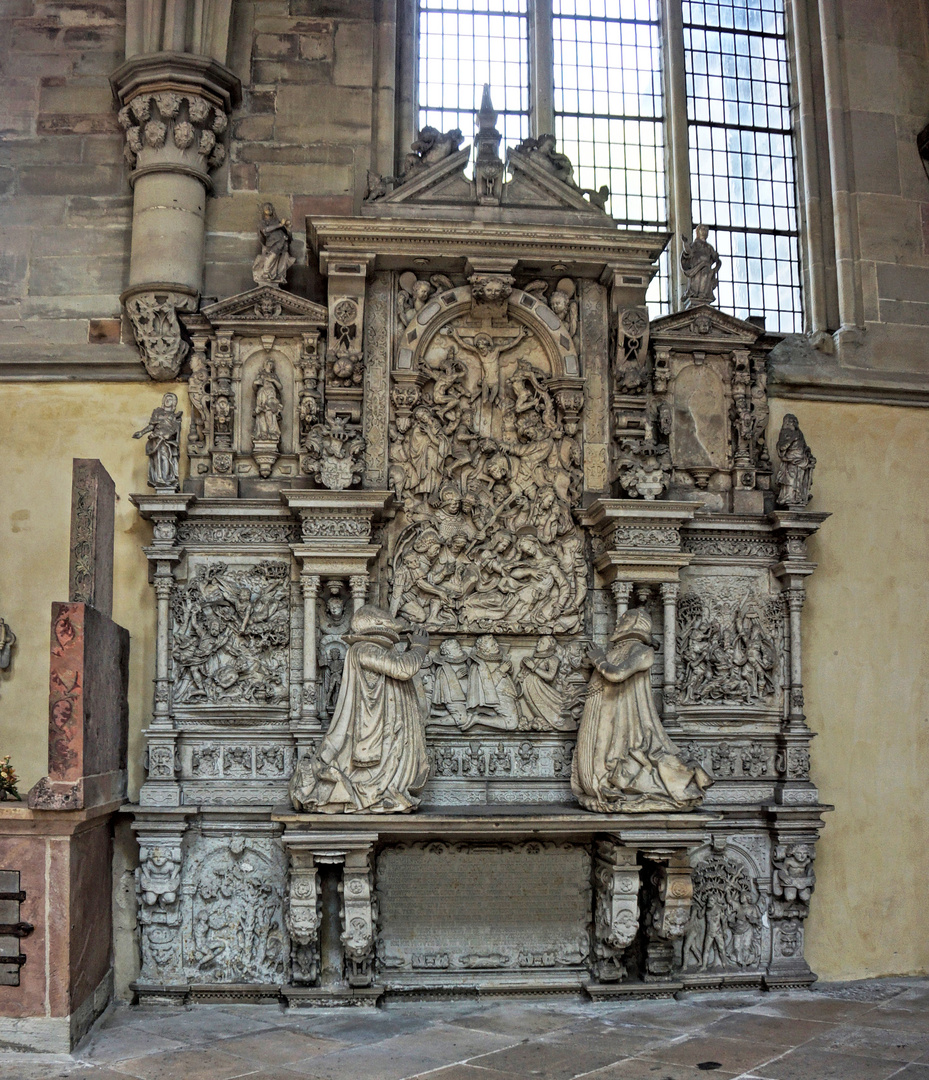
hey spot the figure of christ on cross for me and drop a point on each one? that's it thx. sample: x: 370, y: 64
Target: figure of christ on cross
x: 488, y: 351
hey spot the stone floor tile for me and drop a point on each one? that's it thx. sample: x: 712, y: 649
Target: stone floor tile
x: 504, y: 1019
x: 647, y: 1069
x: 451, y: 1043
x: 464, y: 1072
x: 806, y: 1063
x: 672, y: 1015
x: 124, y: 1041
x: 40, y: 1067
x: 876, y: 990
x: 806, y: 1006
x: 780, y: 1030
x: 873, y: 1042
x: 894, y: 1019
x: 202, y: 1064
x: 277, y: 1047
x: 541, y: 1061
x: 733, y: 1055
x: 202, y: 1024
x: 355, y: 1027
x: 912, y: 1072
x: 611, y: 1045
x: 377, y: 1062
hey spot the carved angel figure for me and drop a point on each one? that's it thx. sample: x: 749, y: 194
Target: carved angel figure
x: 624, y: 760
x: 795, y: 473
x: 274, y: 260
x: 373, y: 757
x: 700, y: 263
x: 543, y: 153
x: 163, y: 445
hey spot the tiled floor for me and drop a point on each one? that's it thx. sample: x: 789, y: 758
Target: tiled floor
x: 843, y: 1031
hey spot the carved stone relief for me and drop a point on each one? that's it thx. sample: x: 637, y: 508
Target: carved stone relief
x: 726, y: 923
x: 729, y: 644
x: 231, y: 631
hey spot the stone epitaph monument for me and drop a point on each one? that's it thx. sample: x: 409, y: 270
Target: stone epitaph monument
x: 479, y: 626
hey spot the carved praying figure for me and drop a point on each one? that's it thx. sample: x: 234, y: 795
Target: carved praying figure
x: 268, y: 406
x: 794, y: 477
x: 163, y: 445
x: 274, y: 260
x: 373, y: 757
x: 624, y: 760
x: 700, y: 263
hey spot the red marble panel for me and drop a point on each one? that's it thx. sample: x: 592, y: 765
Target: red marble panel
x: 27, y: 855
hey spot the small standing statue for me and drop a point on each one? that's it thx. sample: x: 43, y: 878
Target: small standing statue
x: 373, y: 757
x: 163, y: 446
x: 268, y: 406
x: 7, y: 641
x: 274, y: 260
x: 624, y: 761
x: 794, y: 477
x: 700, y: 263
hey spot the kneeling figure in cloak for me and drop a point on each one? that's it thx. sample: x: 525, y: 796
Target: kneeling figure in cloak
x: 624, y: 761
x: 373, y: 757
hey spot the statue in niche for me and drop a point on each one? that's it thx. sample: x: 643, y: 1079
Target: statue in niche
x: 491, y: 689
x: 274, y: 260
x: 624, y: 761
x: 197, y: 391
x: 163, y: 445
x: 268, y: 405
x: 564, y: 305
x: 794, y: 477
x: 700, y: 263
x: 333, y: 667
x: 373, y: 757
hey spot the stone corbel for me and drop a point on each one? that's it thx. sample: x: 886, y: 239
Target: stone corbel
x: 158, y: 891
x: 359, y: 917
x: 347, y: 274
x: 304, y: 917
x: 174, y: 108
x: 616, y: 910
x: 674, y: 890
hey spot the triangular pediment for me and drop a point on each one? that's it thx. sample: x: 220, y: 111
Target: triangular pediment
x: 266, y: 305
x: 443, y: 182
x: 535, y: 186
x: 704, y: 327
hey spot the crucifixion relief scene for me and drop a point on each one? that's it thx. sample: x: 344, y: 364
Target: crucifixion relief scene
x: 484, y: 444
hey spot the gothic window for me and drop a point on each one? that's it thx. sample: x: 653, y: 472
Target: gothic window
x: 681, y: 108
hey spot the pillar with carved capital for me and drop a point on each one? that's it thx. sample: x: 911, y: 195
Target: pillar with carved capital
x: 174, y: 108
x: 359, y: 587
x: 622, y: 593
x: 669, y: 594
x: 310, y: 583
x: 616, y: 907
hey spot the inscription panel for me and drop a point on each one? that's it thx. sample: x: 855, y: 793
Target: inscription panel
x: 479, y: 909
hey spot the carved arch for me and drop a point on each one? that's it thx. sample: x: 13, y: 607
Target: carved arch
x: 525, y: 309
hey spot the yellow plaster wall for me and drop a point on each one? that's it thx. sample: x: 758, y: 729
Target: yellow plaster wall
x: 44, y: 427
x: 866, y: 660
x: 866, y: 636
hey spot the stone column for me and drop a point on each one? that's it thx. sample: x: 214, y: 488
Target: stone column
x: 622, y: 592
x: 669, y: 595
x: 310, y: 583
x: 795, y: 594
x: 359, y: 587
x: 174, y: 109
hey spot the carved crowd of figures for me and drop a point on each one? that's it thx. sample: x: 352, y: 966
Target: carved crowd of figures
x: 487, y: 462
x: 727, y: 648
x: 231, y: 630
x: 481, y: 687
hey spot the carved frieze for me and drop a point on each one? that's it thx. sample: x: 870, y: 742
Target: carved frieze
x: 725, y: 926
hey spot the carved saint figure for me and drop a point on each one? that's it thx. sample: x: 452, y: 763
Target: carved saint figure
x: 268, y: 406
x: 700, y: 263
x: 163, y: 445
x: 199, y: 398
x: 274, y: 260
x: 795, y: 473
x: 624, y: 760
x: 541, y: 702
x: 373, y: 757
x: 491, y: 690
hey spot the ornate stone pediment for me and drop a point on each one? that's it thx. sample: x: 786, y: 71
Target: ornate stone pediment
x: 443, y: 182
x: 258, y: 308
x: 704, y: 328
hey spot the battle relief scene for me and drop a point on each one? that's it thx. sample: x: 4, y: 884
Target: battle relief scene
x: 479, y: 654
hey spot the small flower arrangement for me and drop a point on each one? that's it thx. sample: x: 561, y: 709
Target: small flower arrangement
x: 8, y: 779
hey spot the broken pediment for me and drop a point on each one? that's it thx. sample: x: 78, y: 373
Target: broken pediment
x: 542, y: 188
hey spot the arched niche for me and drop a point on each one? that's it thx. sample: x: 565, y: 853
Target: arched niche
x: 523, y: 308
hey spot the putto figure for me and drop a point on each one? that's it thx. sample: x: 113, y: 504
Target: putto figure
x: 163, y: 445
x: 274, y: 260
x: 373, y: 757
x: 624, y: 760
x: 794, y: 477
x: 700, y: 263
